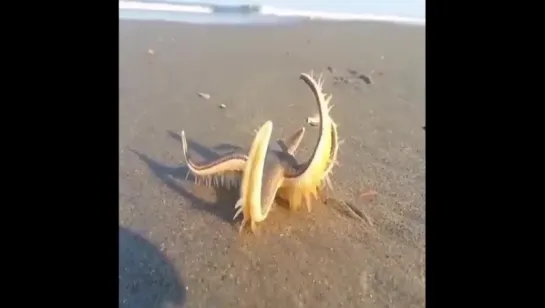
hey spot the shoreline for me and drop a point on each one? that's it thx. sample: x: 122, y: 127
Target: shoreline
x: 250, y: 13
x: 243, y: 19
x: 251, y: 20
x: 320, y: 259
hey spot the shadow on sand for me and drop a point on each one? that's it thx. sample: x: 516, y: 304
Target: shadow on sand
x: 146, y: 276
x: 172, y: 175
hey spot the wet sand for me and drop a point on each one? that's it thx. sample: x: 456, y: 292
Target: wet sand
x: 178, y: 243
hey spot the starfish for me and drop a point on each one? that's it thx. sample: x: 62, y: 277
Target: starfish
x: 271, y: 169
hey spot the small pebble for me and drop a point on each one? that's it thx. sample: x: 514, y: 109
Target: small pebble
x: 314, y: 120
x: 204, y: 95
x: 222, y: 106
x: 151, y: 52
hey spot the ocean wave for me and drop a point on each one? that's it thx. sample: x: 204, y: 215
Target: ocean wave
x: 253, y: 9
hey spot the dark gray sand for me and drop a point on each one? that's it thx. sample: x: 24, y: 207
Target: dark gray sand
x: 178, y: 243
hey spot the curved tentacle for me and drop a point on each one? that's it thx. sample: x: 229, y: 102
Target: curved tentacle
x: 304, y: 172
x: 304, y: 180
x: 291, y: 143
x: 250, y: 204
x: 217, y: 169
x: 332, y: 156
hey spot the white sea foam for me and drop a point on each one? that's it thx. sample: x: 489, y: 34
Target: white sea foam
x: 269, y: 10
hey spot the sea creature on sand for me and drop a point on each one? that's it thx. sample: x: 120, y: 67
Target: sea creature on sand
x: 270, y: 170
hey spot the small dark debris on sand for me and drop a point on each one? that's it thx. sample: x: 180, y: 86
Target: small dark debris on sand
x: 354, y: 75
x: 341, y: 79
x: 330, y: 69
x: 365, y: 79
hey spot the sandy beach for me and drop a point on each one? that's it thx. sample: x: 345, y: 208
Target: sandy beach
x: 179, y: 246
